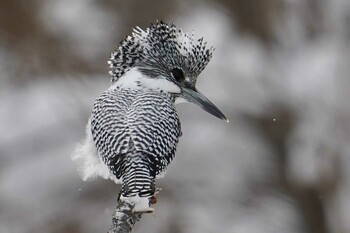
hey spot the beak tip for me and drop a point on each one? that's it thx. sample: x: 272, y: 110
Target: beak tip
x: 194, y: 96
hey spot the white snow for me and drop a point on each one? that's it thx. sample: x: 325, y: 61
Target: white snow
x: 141, y: 204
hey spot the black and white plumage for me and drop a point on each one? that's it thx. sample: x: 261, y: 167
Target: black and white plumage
x: 134, y: 128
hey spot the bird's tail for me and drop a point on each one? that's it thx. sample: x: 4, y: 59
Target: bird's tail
x: 138, y: 184
x: 138, y: 178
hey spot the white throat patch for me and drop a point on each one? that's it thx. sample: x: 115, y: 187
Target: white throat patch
x: 134, y: 79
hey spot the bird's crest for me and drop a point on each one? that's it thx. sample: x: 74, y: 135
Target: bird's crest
x: 157, y: 50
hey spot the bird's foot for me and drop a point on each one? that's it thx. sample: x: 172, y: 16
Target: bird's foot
x: 143, y: 211
x: 141, y: 204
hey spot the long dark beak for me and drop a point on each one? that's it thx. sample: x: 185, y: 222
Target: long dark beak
x: 194, y: 96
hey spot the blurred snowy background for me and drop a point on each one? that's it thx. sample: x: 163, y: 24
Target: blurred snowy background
x: 280, y: 72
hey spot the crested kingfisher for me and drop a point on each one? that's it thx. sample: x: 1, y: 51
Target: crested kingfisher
x: 133, y: 131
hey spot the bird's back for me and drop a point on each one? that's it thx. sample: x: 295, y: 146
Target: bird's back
x: 135, y: 126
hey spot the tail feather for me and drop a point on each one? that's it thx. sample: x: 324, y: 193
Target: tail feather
x: 138, y: 178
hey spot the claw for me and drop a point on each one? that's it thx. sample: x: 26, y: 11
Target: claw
x: 153, y: 200
x: 157, y: 191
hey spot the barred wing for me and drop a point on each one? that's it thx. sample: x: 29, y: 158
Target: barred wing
x: 125, y: 122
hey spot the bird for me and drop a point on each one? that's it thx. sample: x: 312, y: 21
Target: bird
x: 134, y: 128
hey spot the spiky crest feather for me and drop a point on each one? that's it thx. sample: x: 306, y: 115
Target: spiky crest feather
x: 157, y: 50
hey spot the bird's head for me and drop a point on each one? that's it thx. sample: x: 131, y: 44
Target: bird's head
x: 164, y: 58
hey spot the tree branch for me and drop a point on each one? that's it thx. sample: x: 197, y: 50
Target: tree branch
x: 123, y: 218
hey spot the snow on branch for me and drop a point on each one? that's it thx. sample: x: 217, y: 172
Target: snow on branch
x: 123, y: 218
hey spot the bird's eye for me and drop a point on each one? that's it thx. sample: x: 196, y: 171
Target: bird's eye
x: 178, y: 74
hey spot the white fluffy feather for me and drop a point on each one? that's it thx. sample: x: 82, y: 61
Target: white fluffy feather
x: 89, y: 163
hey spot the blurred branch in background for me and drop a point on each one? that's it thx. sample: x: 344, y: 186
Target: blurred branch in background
x: 255, y: 17
x: 22, y: 30
x: 311, y: 199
